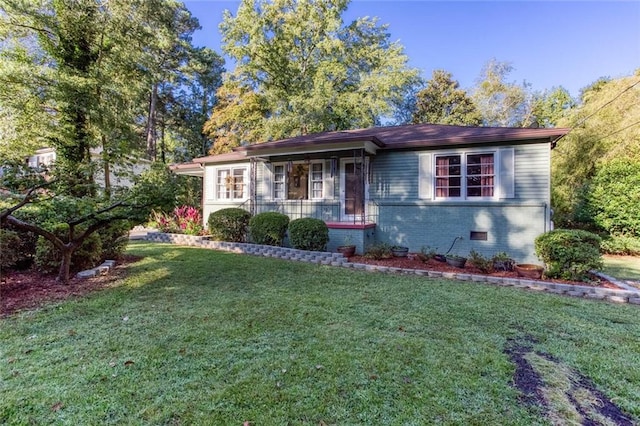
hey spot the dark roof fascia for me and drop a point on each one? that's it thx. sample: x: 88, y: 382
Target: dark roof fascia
x: 464, y: 142
x: 309, y: 141
x: 230, y: 157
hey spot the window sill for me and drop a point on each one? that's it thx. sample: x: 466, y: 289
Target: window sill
x: 350, y: 225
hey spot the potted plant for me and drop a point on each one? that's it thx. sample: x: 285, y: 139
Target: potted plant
x: 502, y: 262
x: 399, y: 251
x: 529, y: 270
x: 348, y: 249
x: 455, y: 260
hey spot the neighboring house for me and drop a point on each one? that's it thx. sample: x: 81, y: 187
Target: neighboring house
x: 414, y: 185
x: 120, y: 175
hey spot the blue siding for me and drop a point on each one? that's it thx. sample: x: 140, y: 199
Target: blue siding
x: 511, y: 224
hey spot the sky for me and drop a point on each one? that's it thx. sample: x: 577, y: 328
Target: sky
x: 548, y: 43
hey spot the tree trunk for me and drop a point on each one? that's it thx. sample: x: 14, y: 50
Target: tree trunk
x: 151, y: 123
x: 65, y: 265
x: 107, y: 168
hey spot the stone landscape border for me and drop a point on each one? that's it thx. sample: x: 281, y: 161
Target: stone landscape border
x: 630, y: 295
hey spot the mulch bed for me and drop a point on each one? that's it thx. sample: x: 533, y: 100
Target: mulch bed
x: 30, y: 289
x: 412, y: 262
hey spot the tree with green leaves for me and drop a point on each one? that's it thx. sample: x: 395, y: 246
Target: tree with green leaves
x: 502, y: 103
x: 310, y: 71
x: 443, y: 102
x: 67, y: 222
x: 551, y: 106
x: 604, y: 127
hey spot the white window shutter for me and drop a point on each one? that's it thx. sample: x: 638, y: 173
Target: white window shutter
x: 327, y: 180
x: 209, y: 183
x: 267, y: 177
x: 425, y: 177
x: 507, y: 172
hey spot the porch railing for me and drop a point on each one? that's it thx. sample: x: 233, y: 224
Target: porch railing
x: 325, y: 210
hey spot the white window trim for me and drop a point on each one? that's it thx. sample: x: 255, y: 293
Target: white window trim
x: 463, y: 177
x: 231, y: 169
x: 309, y: 181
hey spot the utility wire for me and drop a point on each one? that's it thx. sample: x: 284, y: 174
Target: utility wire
x: 617, y: 131
x: 610, y: 134
x: 581, y: 122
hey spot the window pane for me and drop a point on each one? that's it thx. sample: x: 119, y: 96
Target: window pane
x: 480, y: 175
x: 278, y: 182
x: 316, y: 180
x: 238, y: 183
x: 224, y: 183
x: 448, y: 172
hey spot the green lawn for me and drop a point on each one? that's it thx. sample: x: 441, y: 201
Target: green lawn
x: 195, y: 336
x: 622, y: 267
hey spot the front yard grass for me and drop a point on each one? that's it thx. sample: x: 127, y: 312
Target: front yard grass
x: 622, y: 267
x: 195, y: 336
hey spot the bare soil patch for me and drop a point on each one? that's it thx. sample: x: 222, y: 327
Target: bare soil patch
x: 412, y: 262
x: 564, y: 395
x: 30, y: 289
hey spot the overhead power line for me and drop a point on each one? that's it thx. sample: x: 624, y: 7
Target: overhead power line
x: 581, y: 122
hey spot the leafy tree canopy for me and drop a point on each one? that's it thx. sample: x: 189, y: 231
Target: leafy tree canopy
x: 443, y: 102
x: 303, y: 71
x: 603, y: 128
x: 502, y: 103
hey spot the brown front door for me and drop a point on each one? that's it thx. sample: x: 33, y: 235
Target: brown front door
x: 353, y: 190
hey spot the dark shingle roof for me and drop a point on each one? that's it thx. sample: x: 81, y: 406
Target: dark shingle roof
x: 415, y: 135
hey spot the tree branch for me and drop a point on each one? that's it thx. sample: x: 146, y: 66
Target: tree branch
x: 57, y: 242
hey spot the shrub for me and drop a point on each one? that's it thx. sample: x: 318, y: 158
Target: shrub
x: 21, y: 251
x: 183, y: 220
x: 427, y: 253
x: 163, y: 221
x: 378, y: 251
x: 229, y: 224
x: 613, y: 197
x: 308, y: 234
x: 9, y: 242
x: 569, y: 254
x: 48, y: 257
x: 268, y: 228
x: 114, y: 239
x: 620, y: 244
x: 481, y: 262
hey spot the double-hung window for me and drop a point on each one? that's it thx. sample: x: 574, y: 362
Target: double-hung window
x: 231, y: 183
x: 465, y: 176
x: 298, y: 181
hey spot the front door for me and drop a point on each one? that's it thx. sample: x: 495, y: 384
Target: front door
x: 353, y: 191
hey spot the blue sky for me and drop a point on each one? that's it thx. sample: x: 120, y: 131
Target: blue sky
x: 549, y: 43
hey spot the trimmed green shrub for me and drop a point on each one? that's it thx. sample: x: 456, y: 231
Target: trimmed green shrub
x: 308, y: 234
x: 87, y: 256
x: 229, y: 224
x: 569, y: 254
x: 268, y: 228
